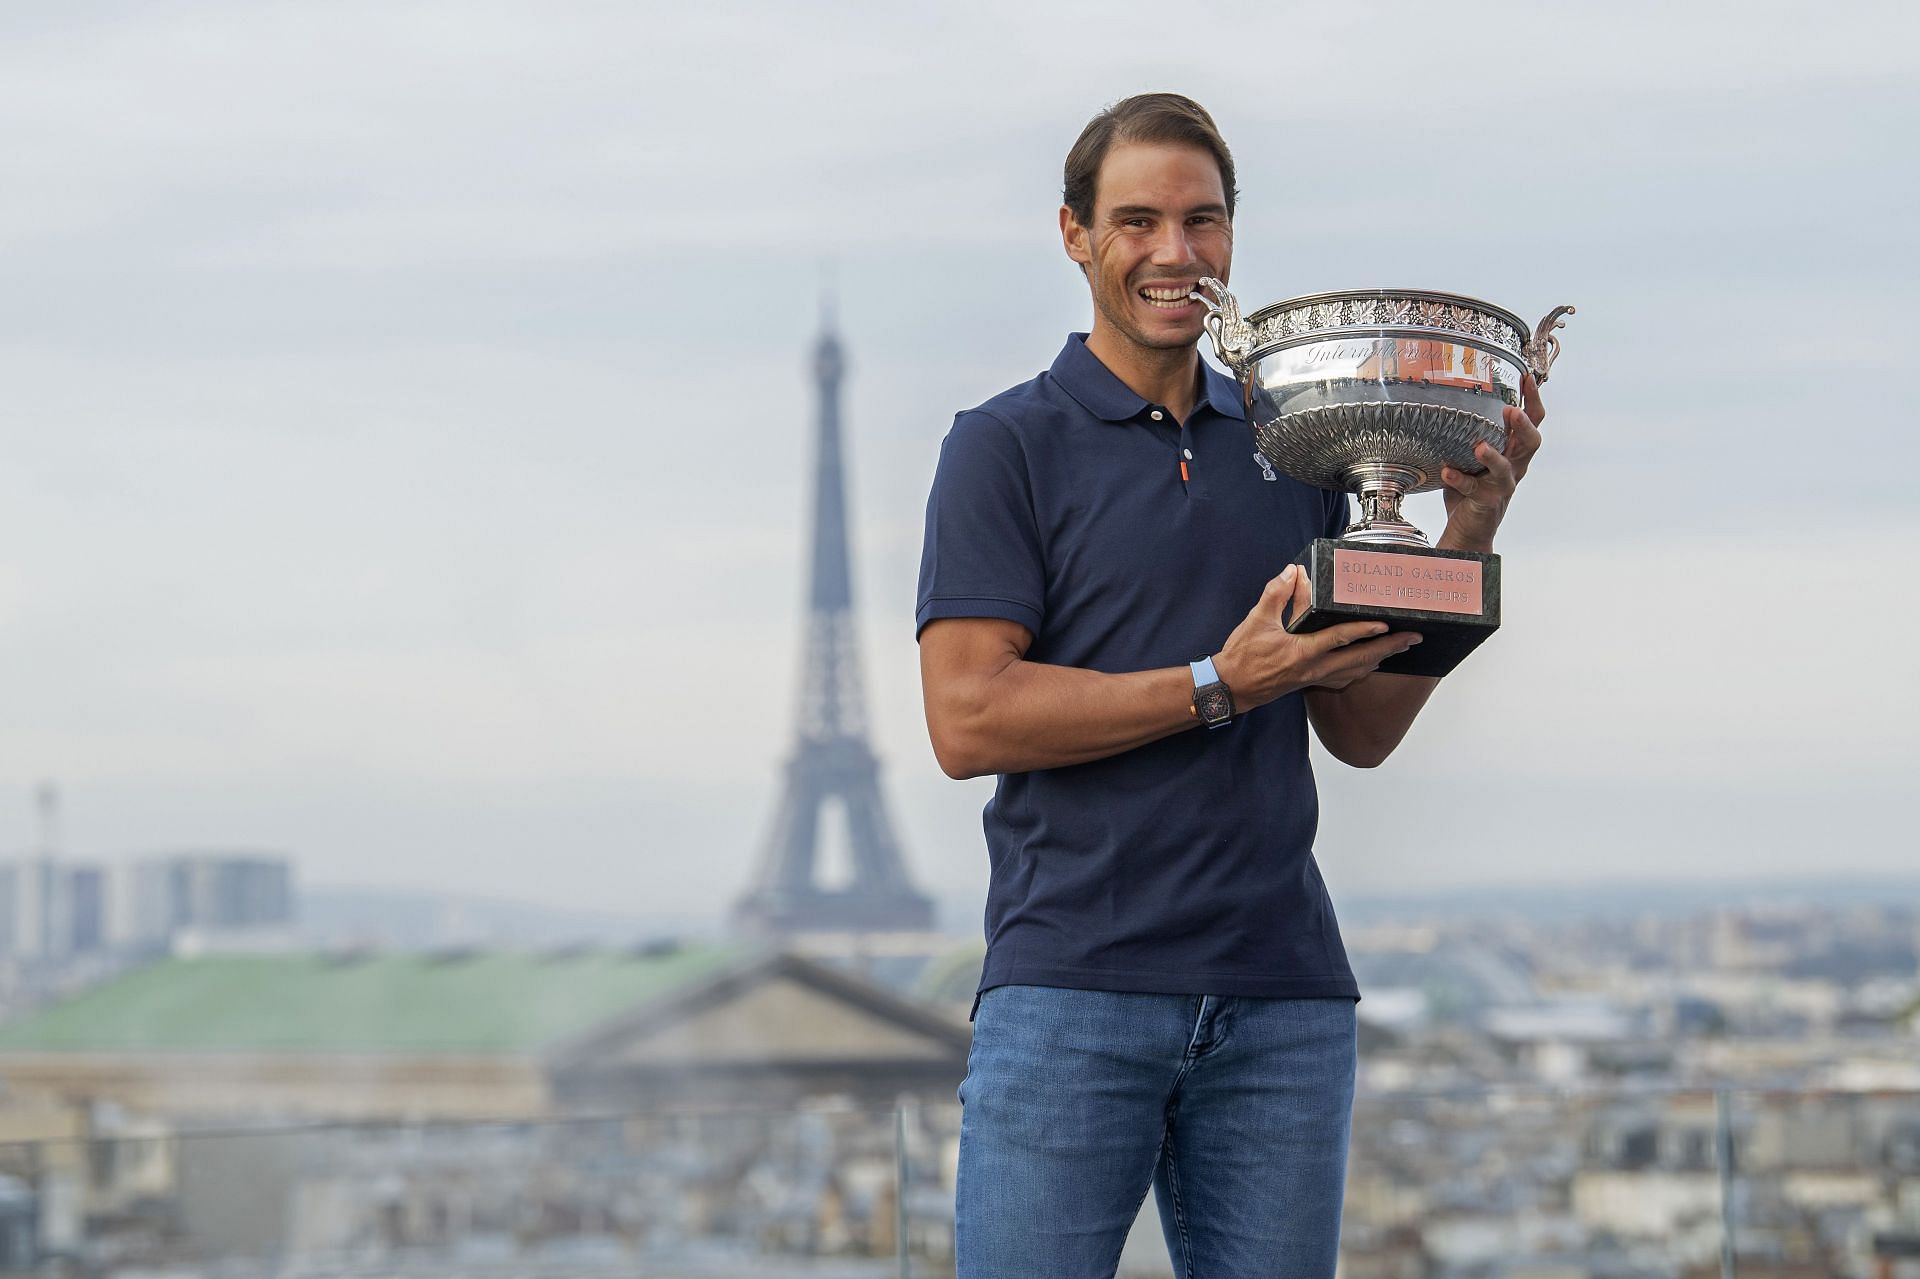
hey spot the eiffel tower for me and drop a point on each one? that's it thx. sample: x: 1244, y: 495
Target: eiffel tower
x: 831, y: 760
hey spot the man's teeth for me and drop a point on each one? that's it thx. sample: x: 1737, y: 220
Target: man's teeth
x: 1166, y: 299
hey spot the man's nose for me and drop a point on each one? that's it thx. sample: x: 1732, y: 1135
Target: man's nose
x: 1173, y: 247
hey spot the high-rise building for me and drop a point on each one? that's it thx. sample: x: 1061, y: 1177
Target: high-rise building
x: 201, y: 892
x: 87, y: 908
x: 52, y: 909
x: 35, y: 891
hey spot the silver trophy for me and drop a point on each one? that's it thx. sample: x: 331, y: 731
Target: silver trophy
x: 1372, y: 391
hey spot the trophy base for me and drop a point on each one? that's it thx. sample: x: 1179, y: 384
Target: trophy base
x: 1450, y: 598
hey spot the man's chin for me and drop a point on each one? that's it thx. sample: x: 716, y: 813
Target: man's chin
x: 1177, y: 329
x: 1155, y: 333
x: 1169, y: 337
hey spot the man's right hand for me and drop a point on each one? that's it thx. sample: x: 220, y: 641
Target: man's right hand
x: 1263, y: 661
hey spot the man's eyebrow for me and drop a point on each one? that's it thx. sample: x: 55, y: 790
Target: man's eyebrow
x: 1147, y: 210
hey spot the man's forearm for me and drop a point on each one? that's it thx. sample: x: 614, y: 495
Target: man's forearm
x: 1363, y: 722
x: 1029, y: 715
x: 989, y: 710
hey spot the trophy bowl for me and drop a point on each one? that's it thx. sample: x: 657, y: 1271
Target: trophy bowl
x: 1372, y: 391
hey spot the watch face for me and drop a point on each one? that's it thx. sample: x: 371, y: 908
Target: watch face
x: 1213, y: 703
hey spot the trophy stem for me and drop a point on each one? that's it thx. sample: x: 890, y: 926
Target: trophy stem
x: 1380, y: 487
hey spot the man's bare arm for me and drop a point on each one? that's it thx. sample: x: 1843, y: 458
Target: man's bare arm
x: 989, y: 710
x: 1363, y: 722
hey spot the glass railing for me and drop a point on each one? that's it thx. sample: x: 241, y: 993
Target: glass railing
x: 1521, y: 1183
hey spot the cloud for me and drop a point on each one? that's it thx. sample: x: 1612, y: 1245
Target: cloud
x: 408, y: 415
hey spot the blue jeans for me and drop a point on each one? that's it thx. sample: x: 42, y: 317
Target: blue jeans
x: 1235, y: 1109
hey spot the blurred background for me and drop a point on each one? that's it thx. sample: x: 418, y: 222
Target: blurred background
x: 410, y: 427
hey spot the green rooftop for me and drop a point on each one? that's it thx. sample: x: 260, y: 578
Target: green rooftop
x: 480, y: 1003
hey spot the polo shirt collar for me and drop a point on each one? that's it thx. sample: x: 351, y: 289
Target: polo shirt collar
x: 1081, y: 375
x: 1223, y: 393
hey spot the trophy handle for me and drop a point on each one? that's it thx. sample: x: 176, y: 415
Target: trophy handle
x: 1544, y: 349
x: 1232, y: 336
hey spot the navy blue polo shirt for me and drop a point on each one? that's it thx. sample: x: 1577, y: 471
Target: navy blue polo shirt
x: 1184, y: 866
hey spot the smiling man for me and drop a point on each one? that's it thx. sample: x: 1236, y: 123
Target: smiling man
x: 1165, y: 999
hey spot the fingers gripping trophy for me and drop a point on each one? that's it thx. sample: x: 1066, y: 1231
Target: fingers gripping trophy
x: 1374, y: 391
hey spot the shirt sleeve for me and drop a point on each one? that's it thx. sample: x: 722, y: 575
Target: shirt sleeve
x: 981, y: 556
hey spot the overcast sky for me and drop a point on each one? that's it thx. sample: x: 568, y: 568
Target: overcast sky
x: 405, y: 410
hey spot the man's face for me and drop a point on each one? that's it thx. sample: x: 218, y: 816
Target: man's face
x: 1159, y: 224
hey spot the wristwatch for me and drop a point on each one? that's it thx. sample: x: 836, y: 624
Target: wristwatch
x: 1212, y: 700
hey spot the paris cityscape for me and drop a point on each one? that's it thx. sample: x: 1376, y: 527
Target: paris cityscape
x: 205, y: 1078
x: 466, y: 807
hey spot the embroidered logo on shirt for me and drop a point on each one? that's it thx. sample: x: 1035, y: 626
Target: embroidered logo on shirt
x: 1266, y: 467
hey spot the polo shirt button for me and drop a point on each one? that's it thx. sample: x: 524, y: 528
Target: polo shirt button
x: 1187, y: 453
x: 1157, y: 415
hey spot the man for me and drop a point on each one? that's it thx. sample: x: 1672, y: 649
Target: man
x: 1165, y: 998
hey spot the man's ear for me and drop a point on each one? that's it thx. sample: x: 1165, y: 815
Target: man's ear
x: 1074, y: 238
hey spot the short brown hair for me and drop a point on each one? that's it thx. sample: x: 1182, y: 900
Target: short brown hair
x: 1146, y: 117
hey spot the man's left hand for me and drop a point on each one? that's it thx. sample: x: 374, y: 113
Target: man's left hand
x: 1476, y: 503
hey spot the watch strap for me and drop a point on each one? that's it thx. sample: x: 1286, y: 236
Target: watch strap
x: 1208, y: 687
